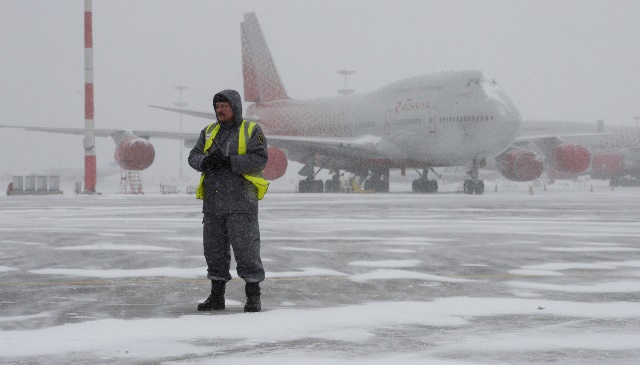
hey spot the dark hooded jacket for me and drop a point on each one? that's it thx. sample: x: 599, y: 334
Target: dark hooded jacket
x: 227, y: 191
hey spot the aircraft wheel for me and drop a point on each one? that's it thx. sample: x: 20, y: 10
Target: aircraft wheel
x: 424, y: 186
x: 382, y: 187
x: 368, y: 185
x: 479, y: 187
x: 328, y: 186
x: 303, y: 186
x: 317, y: 186
x: 432, y: 186
x: 468, y: 186
x: 414, y: 186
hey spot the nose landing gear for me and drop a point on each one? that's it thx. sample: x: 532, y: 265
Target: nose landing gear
x: 473, y: 184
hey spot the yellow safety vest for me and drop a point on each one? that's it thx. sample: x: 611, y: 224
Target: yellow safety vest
x: 255, y: 178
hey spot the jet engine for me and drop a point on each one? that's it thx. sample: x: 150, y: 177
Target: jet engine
x: 277, y: 164
x: 135, y: 154
x: 570, y: 158
x: 607, y: 166
x: 520, y: 165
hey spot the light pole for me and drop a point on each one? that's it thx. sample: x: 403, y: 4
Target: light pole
x: 180, y: 105
x: 345, y: 91
x: 637, y: 119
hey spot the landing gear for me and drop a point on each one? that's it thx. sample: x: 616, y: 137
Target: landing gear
x: 310, y: 184
x: 378, y: 181
x: 423, y: 184
x: 473, y: 184
x: 375, y: 181
x: 471, y: 187
x: 333, y: 185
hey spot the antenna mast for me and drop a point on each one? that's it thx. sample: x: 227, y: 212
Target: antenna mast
x: 345, y: 91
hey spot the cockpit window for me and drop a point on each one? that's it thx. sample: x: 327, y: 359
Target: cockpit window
x: 484, y: 80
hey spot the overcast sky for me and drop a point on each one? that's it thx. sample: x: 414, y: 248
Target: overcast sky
x: 562, y: 60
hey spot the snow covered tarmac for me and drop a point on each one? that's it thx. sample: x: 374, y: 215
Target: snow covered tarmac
x: 505, y: 277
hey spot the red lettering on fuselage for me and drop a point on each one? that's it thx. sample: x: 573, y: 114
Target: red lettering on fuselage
x: 411, y: 106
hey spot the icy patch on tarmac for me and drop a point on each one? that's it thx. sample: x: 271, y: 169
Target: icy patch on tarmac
x: 403, y: 274
x: 591, y: 249
x: 202, y: 334
x: 303, y: 249
x: 551, y: 268
x: 386, y: 263
x: 25, y: 318
x: 534, y: 273
x: 196, y: 272
x: 611, y: 287
x: 308, y: 271
x: 115, y: 247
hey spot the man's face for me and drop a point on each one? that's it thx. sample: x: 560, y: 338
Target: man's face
x: 224, y: 112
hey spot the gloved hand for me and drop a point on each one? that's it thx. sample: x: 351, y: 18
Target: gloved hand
x: 216, y: 160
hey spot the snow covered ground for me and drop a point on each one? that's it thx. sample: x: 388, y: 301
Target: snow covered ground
x: 508, y: 277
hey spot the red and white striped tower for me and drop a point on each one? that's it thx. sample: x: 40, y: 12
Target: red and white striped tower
x: 89, y: 134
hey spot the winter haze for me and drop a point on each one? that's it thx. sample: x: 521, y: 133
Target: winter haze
x: 560, y: 60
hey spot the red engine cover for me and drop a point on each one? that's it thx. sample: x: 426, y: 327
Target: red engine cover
x: 571, y: 158
x: 520, y: 165
x: 135, y: 154
x: 277, y: 164
x: 607, y: 165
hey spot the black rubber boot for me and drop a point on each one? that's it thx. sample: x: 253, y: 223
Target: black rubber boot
x: 215, y: 301
x: 253, y: 297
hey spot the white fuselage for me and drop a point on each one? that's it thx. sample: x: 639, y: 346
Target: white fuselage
x: 434, y: 120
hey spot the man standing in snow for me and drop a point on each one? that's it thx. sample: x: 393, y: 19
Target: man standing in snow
x: 231, y: 155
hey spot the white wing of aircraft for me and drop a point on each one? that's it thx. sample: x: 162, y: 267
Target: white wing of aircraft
x: 133, y: 149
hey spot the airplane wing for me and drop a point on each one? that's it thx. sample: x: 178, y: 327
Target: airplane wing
x: 360, y: 147
x: 206, y: 115
x: 112, y: 132
x: 548, y: 142
x: 78, y: 131
x: 367, y: 146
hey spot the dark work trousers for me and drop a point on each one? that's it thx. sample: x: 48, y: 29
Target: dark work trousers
x: 239, y: 231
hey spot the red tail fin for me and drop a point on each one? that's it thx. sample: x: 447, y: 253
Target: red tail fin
x: 261, y: 80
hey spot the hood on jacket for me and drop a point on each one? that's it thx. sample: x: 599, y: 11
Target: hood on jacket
x: 233, y: 97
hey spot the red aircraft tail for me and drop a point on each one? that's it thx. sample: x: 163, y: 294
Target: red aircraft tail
x: 261, y: 80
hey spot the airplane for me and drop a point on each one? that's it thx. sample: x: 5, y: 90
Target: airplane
x: 617, y: 157
x: 615, y: 151
x: 570, y: 149
x: 553, y: 142
x: 419, y: 122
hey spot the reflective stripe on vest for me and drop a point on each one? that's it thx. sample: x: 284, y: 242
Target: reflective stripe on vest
x: 255, y: 178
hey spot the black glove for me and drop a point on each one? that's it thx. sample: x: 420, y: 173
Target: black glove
x: 216, y: 160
